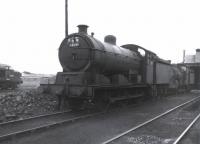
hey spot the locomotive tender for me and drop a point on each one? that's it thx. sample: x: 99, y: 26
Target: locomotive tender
x: 98, y: 73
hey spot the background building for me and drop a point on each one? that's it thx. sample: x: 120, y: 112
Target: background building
x: 193, y: 63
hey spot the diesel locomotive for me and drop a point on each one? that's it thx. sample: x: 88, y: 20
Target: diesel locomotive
x: 98, y: 73
x: 9, y: 78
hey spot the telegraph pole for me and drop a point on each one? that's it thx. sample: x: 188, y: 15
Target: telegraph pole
x: 66, y: 18
x: 183, y: 56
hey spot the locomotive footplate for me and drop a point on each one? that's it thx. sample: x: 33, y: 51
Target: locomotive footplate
x: 118, y: 92
x: 101, y: 96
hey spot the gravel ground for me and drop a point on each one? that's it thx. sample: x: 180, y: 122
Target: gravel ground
x: 21, y: 104
x: 26, y: 101
x: 100, y: 128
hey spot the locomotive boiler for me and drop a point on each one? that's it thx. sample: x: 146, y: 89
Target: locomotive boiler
x: 81, y: 52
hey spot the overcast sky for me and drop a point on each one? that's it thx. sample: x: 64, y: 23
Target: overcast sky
x: 32, y: 30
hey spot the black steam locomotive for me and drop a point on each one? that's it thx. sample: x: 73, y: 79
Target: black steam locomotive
x: 9, y: 78
x: 99, y: 73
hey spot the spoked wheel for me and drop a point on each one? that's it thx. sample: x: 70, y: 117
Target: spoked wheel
x: 75, y: 104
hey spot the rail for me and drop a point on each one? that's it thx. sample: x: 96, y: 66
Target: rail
x: 186, y: 130
x: 44, y: 127
x: 149, y: 121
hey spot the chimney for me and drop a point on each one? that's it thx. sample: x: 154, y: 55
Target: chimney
x: 82, y: 29
x: 197, y: 57
x: 183, y: 56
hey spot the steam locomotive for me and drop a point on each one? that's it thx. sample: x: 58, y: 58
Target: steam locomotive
x: 9, y: 78
x: 99, y: 73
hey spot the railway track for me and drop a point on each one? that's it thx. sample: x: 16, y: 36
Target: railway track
x: 6, y: 90
x: 13, y: 129
x: 184, y: 133
x: 119, y: 138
